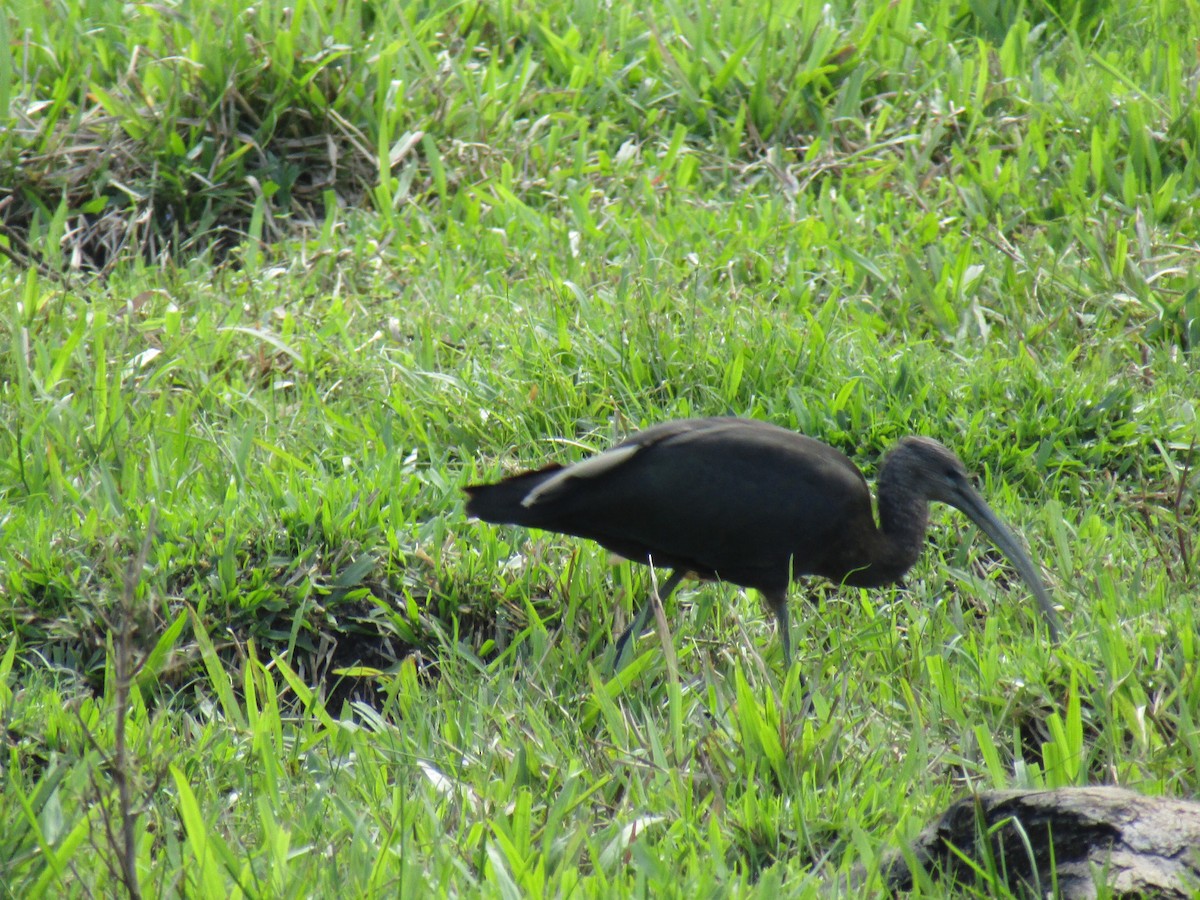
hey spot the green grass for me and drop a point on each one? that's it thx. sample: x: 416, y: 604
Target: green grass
x: 279, y: 280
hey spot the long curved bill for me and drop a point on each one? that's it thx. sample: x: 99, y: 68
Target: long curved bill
x: 976, y: 508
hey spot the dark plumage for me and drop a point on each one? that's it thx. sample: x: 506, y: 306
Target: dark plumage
x: 753, y: 504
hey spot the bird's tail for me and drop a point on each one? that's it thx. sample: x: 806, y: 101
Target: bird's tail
x: 501, y: 502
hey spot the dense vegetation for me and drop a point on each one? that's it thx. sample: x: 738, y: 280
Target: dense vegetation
x: 278, y: 280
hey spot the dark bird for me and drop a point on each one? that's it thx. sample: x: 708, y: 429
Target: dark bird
x: 753, y: 504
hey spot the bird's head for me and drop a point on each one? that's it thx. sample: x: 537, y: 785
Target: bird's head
x: 924, y: 469
x: 929, y: 469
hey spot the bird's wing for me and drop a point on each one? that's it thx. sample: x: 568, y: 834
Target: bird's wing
x: 609, y: 460
x: 592, y: 467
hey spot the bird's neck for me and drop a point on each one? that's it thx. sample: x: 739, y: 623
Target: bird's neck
x: 903, y: 520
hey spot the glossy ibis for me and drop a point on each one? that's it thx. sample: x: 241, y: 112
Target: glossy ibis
x: 753, y: 504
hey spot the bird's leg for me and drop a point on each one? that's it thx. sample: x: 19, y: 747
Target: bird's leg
x: 777, y: 600
x: 639, y: 621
